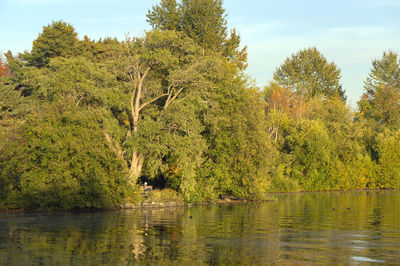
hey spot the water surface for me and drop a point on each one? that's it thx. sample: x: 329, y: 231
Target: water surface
x: 361, y: 227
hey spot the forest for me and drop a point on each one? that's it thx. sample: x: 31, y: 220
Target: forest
x: 83, y: 122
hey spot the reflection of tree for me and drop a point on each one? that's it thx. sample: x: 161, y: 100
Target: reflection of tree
x: 69, y: 238
x: 326, y: 228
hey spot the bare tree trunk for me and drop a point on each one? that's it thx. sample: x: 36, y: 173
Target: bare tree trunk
x: 137, y: 159
x: 136, y: 167
x: 136, y: 106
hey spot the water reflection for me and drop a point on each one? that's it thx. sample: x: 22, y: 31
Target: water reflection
x: 347, y: 228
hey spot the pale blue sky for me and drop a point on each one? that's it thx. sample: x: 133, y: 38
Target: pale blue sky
x: 349, y: 32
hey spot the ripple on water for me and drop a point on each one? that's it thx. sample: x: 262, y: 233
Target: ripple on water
x: 365, y: 259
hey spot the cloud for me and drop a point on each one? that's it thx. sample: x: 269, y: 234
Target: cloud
x: 360, y: 30
x: 114, y: 19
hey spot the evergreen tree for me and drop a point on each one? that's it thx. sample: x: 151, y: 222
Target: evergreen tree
x: 166, y: 16
x: 202, y: 20
x: 381, y: 101
x: 57, y: 39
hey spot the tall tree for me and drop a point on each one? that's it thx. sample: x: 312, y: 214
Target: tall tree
x: 308, y: 74
x: 166, y: 16
x: 202, y: 20
x: 381, y: 100
x: 155, y: 72
x: 384, y: 71
x: 205, y: 22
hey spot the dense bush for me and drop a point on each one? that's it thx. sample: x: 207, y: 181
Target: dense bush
x: 60, y: 160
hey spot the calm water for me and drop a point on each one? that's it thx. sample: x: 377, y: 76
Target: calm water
x: 348, y: 228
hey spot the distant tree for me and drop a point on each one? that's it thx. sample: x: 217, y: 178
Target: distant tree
x: 166, y: 16
x: 283, y: 100
x: 385, y: 71
x: 56, y: 39
x: 202, y: 20
x: 381, y: 100
x: 4, y: 71
x: 309, y: 74
x: 102, y: 50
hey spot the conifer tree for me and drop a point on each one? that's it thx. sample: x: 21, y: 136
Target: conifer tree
x: 202, y: 20
x: 57, y: 39
x: 381, y: 100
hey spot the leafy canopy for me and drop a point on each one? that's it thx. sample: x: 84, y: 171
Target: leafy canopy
x: 56, y: 39
x: 381, y: 101
x: 204, y: 21
x: 309, y: 74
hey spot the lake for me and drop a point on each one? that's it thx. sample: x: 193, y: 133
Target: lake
x: 332, y: 228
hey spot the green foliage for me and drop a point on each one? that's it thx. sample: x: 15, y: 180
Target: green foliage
x: 57, y: 39
x: 310, y: 149
x: 60, y: 160
x: 76, y: 80
x: 385, y: 71
x: 165, y: 196
x: 13, y: 104
x: 59, y: 157
x: 323, y: 150
x: 204, y: 21
x: 161, y: 86
x: 351, y: 164
x: 241, y: 155
x: 177, y: 146
x: 309, y: 74
x: 379, y: 111
x: 103, y: 50
x: 389, y: 159
x: 380, y: 103
x: 165, y: 16
x: 83, y: 120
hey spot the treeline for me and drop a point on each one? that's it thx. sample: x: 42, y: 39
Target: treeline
x: 83, y: 122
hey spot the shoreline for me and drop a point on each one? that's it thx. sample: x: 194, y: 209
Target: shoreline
x: 131, y: 206
x: 148, y: 204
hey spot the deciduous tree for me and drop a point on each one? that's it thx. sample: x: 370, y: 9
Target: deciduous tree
x: 309, y: 74
x: 156, y: 71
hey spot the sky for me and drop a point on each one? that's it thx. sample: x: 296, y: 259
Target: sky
x: 351, y: 33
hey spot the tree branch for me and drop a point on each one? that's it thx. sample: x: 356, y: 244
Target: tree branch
x: 152, y: 101
x: 171, y: 99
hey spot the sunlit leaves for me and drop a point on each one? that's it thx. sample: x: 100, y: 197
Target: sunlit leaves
x: 308, y: 74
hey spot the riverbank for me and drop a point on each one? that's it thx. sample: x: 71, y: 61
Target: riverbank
x: 155, y: 199
x: 159, y: 199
